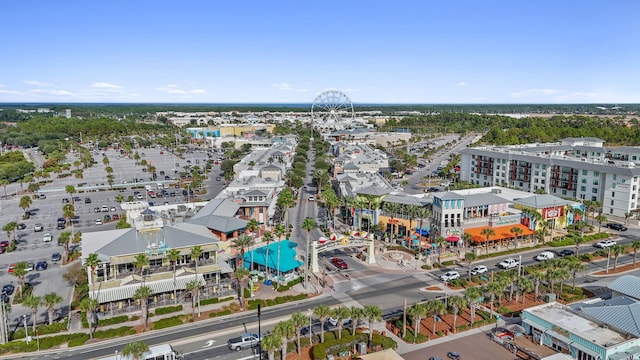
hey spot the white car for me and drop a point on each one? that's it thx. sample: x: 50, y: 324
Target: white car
x: 47, y: 237
x: 605, y: 244
x: 334, y: 322
x: 449, y: 275
x: 545, y: 255
x: 479, y: 269
x: 98, y: 221
x: 312, y: 198
x: 508, y: 263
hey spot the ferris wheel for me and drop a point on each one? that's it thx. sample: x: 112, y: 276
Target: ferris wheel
x: 331, y: 107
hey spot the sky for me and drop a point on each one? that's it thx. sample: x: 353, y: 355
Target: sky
x: 423, y: 51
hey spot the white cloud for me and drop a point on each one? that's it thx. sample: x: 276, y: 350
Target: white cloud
x: 12, y: 92
x: 462, y: 83
x: 104, y: 85
x: 56, y: 92
x: 37, y: 83
x: 198, y: 91
x: 173, y: 89
x: 288, y: 87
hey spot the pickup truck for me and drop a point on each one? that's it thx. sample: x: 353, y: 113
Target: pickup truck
x: 508, y: 263
x: 243, y: 341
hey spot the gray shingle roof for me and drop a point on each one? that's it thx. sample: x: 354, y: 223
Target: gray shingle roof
x: 623, y: 317
x: 403, y: 199
x: 218, y: 206
x: 372, y: 190
x: 542, y: 201
x: 224, y: 224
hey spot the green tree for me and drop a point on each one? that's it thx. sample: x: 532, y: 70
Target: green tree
x: 436, y: 308
x: 88, y: 306
x: 241, y: 243
x: 469, y: 257
x: 240, y: 274
x: 140, y: 262
x: 142, y: 295
x: 193, y: 287
x: 91, y: 262
x: 70, y: 189
x: 357, y: 313
x: 456, y: 302
x: 285, y: 330
x: 600, y: 219
x: 340, y: 313
x: 417, y: 312
x: 280, y: 231
x: 487, y: 233
x: 32, y: 302
x: 50, y: 300
x: 25, y: 203
x: 135, y: 349
x: 299, y: 320
x: 525, y: 286
x: 20, y: 271
x: 372, y: 313
x: 617, y: 250
x: 173, y: 255
x: 516, y: 232
x: 635, y: 245
x: 308, y: 224
x: 322, y: 312
x: 267, y: 237
x: 270, y: 344
x: 10, y: 228
x: 472, y: 295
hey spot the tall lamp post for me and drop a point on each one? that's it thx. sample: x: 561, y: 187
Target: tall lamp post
x: 26, y: 330
x: 310, y: 332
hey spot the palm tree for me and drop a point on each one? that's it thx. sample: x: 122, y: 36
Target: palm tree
x: 25, y: 203
x: 417, y: 312
x: 472, y: 295
x: 173, y: 255
x: 516, y: 231
x: 635, y: 245
x: 239, y: 275
x: 193, y: 287
x: 340, y: 313
x: 469, y: 257
x: 617, y: 250
x: 140, y: 262
x: 135, y: 349
x: 600, y: 219
x: 488, y: 233
x: 299, y: 320
x: 267, y: 237
x: 70, y: 189
x: 50, y: 300
x: 456, y: 302
x: 285, y: 331
x: 537, y: 276
x: 243, y: 241
x: 252, y: 226
x: 372, y: 313
x: 280, y: 231
x: 322, y: 312
x: 196, y: 252
x: 437, y: 308
x: 357, y: 313
x: 88, y: 306
x: 92, y: 261
x: 494, y: 288
x: 64, y: 239
x: 574, y: 265
x: 627, y: 216
x: 441, y: 244
x: 20, y: 271
x: 142, y: 294
x: 308, y: 224
x: 423, y: 213
x: 391, y: 209
x: 578, y: 240
x: 32, y: 302
x: 270, y: 344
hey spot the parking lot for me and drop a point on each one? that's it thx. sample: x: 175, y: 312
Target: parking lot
x: 476, y: 347
x: 93, y: 201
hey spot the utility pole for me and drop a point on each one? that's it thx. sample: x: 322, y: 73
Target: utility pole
x: 3, y: 331
x: 404, y: 319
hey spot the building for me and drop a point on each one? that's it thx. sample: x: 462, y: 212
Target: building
x: 579, y: 168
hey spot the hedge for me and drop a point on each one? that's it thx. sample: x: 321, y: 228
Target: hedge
x: 43, y: 329
x: 116, y: 332
x: 167, y: 322
x: 168, y: 310
x: 215, y: 300
x: 220, y: 313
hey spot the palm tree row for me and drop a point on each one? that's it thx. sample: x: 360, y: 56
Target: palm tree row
x: 287, y: 330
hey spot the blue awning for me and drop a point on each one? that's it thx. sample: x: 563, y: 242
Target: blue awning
x: 287, y: 256
x: 422, y: 231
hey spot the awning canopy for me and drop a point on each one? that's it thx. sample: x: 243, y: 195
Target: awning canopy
x: 453, y: 238
x: 125, y: 292
x: 287, y: 261
x: 500, y: 233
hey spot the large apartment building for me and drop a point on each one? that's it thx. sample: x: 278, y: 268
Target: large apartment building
x: 580, y: 168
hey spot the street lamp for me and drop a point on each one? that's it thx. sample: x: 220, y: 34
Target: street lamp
x: 608, y: 258
x: 26, y: 331
x: 310, y: 333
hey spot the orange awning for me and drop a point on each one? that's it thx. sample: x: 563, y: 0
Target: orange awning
x: 501, y: 233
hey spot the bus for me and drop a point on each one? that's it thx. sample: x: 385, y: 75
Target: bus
x: 157, y: 352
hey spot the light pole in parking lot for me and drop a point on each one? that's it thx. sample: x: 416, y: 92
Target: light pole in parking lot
x: 26, y: 330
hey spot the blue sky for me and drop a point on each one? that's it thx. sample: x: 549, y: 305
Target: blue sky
x: 480, y: 51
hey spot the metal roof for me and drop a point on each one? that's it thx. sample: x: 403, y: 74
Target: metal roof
x: 542, y: 201
x: 126, y: 291
x: 372, y: 190
x: 224, y: 224
x: 623, y: 317
x: 628, y: 285
x: 218, y: 206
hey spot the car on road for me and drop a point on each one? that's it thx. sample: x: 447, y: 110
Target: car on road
x: 243, y: 341
x: 217, y: 178
x: 38, y: 227
x: 565, y: 252
x: 87, y: 200
x: 42, y: 196
x: 21, y: 226
x: 339, y: 263
x: 454, y: 355
x: 312, y: 198
x: 605, y: 244
x: 545, y: 255
x: 29, y: 266
x: 8, y: 289
x: 508, y: 263
x: 47, y: 237
x: 41, y: 265
x: 96, y: 210
x: 449, y: 275
x: 98, y: 221
x: 334, y: 322
x: 113, y: 209
x: 479, y: 269
x: 616, y: 226
x: 56, y: 257
x: 104, y: 208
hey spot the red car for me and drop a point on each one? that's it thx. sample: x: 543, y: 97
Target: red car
x: 11, y: 267
x: 339, y: 263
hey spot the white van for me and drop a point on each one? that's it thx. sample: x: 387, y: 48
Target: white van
x: 160, y: 186
x: 147, y: 187
x: 546, y: 255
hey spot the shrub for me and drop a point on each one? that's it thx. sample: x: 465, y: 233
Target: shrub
x: 77, y: 339
x: 116, y: 332
x: 426, y: 267
x: 167, y: 322
x: 459, y: 282
x: 169, y: 309
x: 209, y: 301
x: 114, y: 320
x: 134, y: 317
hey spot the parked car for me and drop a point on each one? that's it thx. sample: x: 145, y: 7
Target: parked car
x: 41, y: 265
x: 96, y: 209
x: 454, y: 355
x: 42, y: 196
x: 339, y: 263
x: 21, y: 226
x: 605, y: 244
x: 312, y: 198
x: 98, y: 221
x: 334, y: 322
x: 38, y: 227
x: 113, y: 209
x: 29, y: 266
x: 11, y: 267
x: 616, y: 226
x: 545, y: 255
x: 65, y: 200
x: 87, y: 200
x: 104, y: 208
x: 4, y: 244
x: 479, y: 269
x: 566, y: 252
x: 56, y: 257
x: 115, y: 217
x: 47, y: 237
x: 8, y: 289
x: 449, y: 275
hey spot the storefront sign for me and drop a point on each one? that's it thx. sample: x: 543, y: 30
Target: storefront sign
x: 552, y: 212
